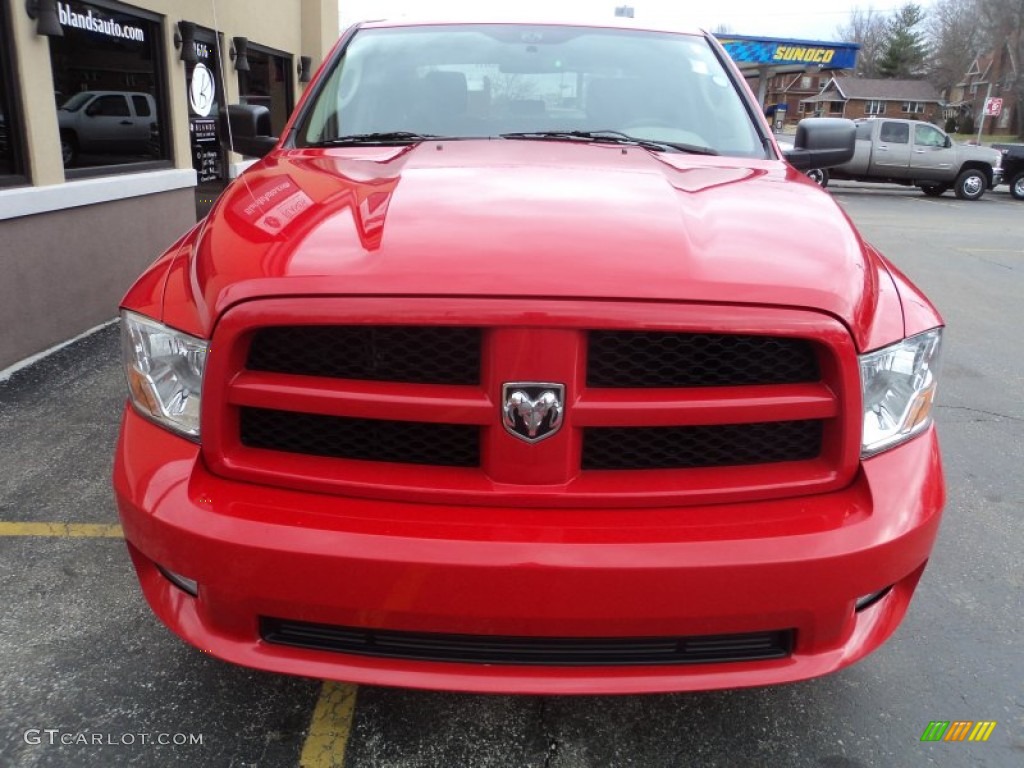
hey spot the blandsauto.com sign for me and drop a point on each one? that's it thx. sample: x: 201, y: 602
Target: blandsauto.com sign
x: 91, y: 22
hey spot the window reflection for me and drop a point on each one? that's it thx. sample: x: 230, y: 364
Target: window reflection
x: 268, y: 83
x: 8, y: 150
x: 6, y: 146
x: 107, y: 85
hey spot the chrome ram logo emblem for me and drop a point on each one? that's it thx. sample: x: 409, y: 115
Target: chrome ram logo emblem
x: 532, y: 410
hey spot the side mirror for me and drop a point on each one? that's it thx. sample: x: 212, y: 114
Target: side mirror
x: 822, y: 142
x: 248, y: 128
x: 948, y: 143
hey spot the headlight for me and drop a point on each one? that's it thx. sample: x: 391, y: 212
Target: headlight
x: 165, y: 372
x: 898, y: 384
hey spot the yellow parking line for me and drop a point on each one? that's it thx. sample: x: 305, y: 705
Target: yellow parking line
x: 335, y: 709
x: 330, y: 727
x: 63, y: 530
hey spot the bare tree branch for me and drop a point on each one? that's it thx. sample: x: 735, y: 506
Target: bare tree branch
x: 868, y: 28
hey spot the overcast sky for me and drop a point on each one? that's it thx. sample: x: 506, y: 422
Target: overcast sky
x: 806, y: 19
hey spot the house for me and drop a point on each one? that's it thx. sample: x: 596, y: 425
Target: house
x: 782, y: 70
x: 854, y: 97
x: 992, y: 74
x: 787, y: 90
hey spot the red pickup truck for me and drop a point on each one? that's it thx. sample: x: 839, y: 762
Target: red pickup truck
x: 525, y: 361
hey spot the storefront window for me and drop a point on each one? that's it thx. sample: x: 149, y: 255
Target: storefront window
x: 11, y: 171
x: 268, y: 83
x: 109, y: 86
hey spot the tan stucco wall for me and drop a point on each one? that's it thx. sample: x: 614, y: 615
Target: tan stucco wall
x: 295, y: 26
x: 65, y: 265
x: 35, y: 81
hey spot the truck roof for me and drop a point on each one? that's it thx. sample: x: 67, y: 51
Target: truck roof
x: 483, y: 16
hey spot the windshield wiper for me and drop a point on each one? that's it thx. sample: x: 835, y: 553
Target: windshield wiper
x: 613, y: 137
x: 384, y: 138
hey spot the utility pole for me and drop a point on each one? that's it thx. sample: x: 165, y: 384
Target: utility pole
x: 984, y: 107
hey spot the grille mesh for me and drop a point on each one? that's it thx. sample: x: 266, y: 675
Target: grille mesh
x: 489, y: 649
x: 452, y: 355
x: 703, y: 446
x: 643, y: 359
x: 408, y: 354
x: 407, y: 442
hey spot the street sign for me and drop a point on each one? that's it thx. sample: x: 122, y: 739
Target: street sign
x: 993, y: 107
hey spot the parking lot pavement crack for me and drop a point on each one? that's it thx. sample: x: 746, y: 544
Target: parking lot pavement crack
x: 552, y: 752
x: 995, y: 263
x: 979, y: 410
x: 546, y: 737
x: 330, y: 727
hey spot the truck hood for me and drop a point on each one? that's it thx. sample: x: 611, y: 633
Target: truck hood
x: 535, y: 219
x: 974, y: 152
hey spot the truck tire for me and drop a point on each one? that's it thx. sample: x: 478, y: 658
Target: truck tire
x: 819, y: 176
x: 1017, y: 186
x: 935, y: 190
x: 970, y: 185
x: 68, y: 148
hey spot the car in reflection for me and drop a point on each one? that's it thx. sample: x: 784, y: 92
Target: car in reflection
x: 106, y: 122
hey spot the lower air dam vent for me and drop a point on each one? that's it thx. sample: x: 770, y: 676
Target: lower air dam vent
x: 551, y: 651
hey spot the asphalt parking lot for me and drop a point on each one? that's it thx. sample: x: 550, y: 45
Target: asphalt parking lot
x: 90, y: 678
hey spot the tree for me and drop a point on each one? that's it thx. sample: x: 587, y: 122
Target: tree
x: 955, y: 39
x: 506, y: 87
x: 904, y: 51
x: 1003, y: 24
x: 867, y: 28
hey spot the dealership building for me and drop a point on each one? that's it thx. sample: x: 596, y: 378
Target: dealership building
x: 110, y: 138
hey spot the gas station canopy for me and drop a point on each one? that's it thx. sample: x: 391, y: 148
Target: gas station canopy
x: 781, y: 55
x: 765, y: 57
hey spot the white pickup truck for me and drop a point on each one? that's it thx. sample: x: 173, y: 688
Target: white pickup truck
x: 914, y: 153
x: 106, y: 122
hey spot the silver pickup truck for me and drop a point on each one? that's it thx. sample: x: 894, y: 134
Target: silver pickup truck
x: 106, y: 122
x: 915, y: 153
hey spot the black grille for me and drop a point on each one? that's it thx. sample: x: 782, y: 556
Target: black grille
x: 409, y: 354
x: 407, y: 442
x: 641, y: 359
x: 704, y: 446
x: 561, y: 651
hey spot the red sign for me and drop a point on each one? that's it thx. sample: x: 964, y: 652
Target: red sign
x: 993, y: 107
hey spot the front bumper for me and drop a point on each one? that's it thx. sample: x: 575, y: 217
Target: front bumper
x: 259, y: 551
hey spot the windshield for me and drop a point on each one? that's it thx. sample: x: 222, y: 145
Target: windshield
x: 75, y: 102
x: 464, y: 81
